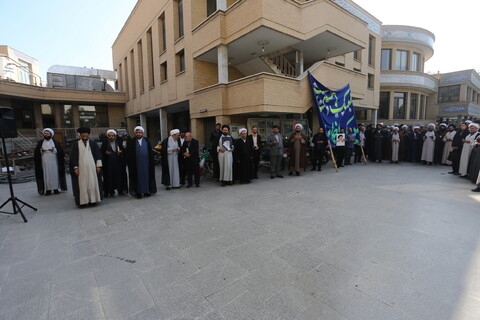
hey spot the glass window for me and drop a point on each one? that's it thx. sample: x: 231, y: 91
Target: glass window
x: 413, y: 105
x: 384, y: 105
x: 163, y: 72
x: 386, y: 59
x: 24, y: 72
x: 399, y: 105
x: 423, y: 103
x: 211, y: 7
x: 23, y: 112
x: 371, y: 81
x: 161, y: 33
x: 357, y: 55
x: 179, y: 22
x: 67, y: 121
x: 48, y: 117
x: 416, y: 62
x: 449, y: 94
x: 93, y: 116
x: 402, y: 60
x: 371, y: 51
x: 180, y: 57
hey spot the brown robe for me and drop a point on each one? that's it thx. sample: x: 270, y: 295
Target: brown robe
x: 298, y: 155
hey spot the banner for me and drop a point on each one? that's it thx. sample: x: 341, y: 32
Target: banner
x: 334, y: 109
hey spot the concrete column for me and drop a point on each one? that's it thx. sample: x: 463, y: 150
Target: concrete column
x: 223, y: 120
x: 222, y: 5
x: 407, y: 108
x: 58, y: 114
x: 222, y: 58
x: 299, y: 62
x: 131, y: 124
x: 390, y: 105
x: 163, y: 123
x: 75, y: 116
x: 374, y: 116
x: 198, y: 130
x: 37, y: 115
x: 143, y: 123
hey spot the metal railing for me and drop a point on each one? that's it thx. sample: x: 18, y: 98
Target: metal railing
x: 283, y: 65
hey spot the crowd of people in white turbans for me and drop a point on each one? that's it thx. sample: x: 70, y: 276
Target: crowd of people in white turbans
x: 100, y: 171
x: 445, y: 144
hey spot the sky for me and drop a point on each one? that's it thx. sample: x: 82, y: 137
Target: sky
x: 81, y: 33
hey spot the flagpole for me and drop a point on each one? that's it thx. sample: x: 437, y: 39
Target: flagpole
x: 333, y: 158
x: 363, y: 155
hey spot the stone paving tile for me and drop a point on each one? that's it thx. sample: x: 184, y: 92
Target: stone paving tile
x: 34, y: 308
x: 125, y: 299
x: 180, y: 300
x: 70, y: 295
x: 217, y: 275
x: 226, y: 295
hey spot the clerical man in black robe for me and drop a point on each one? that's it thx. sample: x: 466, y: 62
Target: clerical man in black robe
x: 243, y: 157
x: 191, y: 160
x: 256, y: 141
x: 378, y: 145
x: 457, y: 146
x: 49, y: 165
x: 114, y: 166
x: 141, y: 166
x: 85, y: 170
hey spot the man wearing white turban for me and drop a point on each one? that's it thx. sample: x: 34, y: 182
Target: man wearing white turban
x: 141, y: 166
x: 114, y: 167
x: 170, y: 160
x: 49, y: 165
x: 428, y: 147
x: 298, y: 156
x: 468, y: 145
x: 243, y: 157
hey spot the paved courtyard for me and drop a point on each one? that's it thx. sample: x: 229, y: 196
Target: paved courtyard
x: 371, y: 242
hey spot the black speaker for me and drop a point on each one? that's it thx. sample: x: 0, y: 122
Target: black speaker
x: 8, y: 127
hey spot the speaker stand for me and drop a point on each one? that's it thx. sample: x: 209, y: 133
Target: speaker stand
x: 15, y: 201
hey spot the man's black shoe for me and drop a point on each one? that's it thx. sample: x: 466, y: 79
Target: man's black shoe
x: 279, y: 176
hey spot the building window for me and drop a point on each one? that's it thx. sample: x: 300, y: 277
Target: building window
x: 357, y: 55
x: 141, y: 80
x: 125, y: 77
x: 93, y: 116
x: 384, y: 105
x: 399, y: 105
x: 48, y: 117
x: 211, y: 7
x: 67, y: 116
x: 402, y: 60
x: 132, y: 74
x: 23, y: 112
x: 151, y: 76
x: 161, y: 33
x: 180, y: 61
x: 179, y: 19
x: 449, y: 94
x: 119, y: 72
x: 24, y: 72
x: 413, y: 105
x: 416, y: 62
x: 371, y: 81
x: 371, y: 50
x: 386, y: 59
x: 163, y: 72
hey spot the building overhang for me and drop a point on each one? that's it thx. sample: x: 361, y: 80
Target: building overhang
x: 408, y: 80
x: 459, y: 109
x: 263, y: 41
x: 412, y: 36
x: 322, y: 29
x: 28, y: 92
